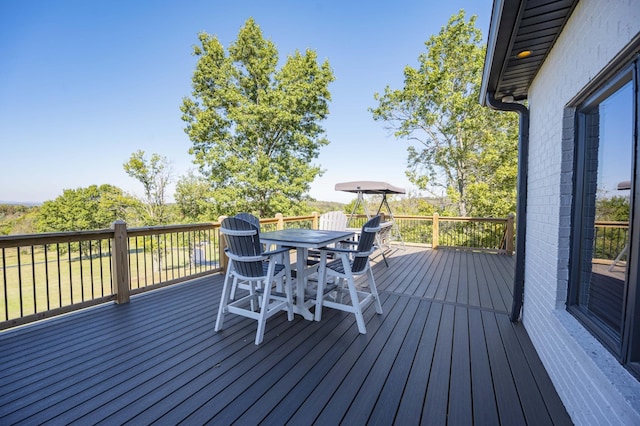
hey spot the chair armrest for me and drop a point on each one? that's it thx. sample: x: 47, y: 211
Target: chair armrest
x: 338, y: 250
x: 370, y: 229
x: 355, y: 253
x: 235, y: 257
x: 277, y: 251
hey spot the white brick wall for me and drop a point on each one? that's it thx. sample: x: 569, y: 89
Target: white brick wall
x: 594, y: 387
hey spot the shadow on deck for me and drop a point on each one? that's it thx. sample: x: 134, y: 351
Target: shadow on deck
x: 443, y: 352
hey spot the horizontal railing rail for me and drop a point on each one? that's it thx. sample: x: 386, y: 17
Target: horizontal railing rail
x: 469, y: 233
x: 610, y: 240
x: 43, y: 275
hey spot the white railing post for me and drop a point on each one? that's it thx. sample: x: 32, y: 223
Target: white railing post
x: 120, y: 262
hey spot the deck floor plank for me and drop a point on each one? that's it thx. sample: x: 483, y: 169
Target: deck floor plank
x: 436, y: 404
x: 462, y: 295
x: 460, y: 398
x: 531, y: 400
x: 413, y: 399
x: 298, y: 401
x: 333, y: 395
x: 454, y: 284
x: 423, y: 269
x: 392, y: 392
x: 506, y: 394
x: 443, y: 352
x: 379, y: 372
x: 485, y: 410
x: 433, y: 279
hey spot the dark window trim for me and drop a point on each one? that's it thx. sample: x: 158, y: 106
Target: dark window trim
x: 631, y: 330
x: 625, y: 68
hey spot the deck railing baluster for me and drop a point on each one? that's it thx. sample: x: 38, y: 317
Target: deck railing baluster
x: 33, y: 281
x: 20, y: 281
x: 4, y: 285
x: 176, y: 253
x: 46, y: 276
x: 59, y: 269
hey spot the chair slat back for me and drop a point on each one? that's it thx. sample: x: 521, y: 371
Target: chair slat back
x: 243, y: 244
x: 333, y: 221
x: 249, y: 218
x: 367, y: 238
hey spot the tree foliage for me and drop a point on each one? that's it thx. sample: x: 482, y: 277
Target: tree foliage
x: 614, y: 208
x: 154, y: 174
x: 193, y: 199
x: 455, y: 142
x: 16, y: 219
x: 93, y: 207
x: 256, y: 129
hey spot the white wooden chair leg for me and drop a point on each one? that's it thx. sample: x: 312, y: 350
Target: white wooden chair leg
x: 340, y: 290
x: 374, y: 292
x: 234, y: 287
x: 290, y: 315
x: 224, y: 299
x: 255, y: 297
x: 263, y: 315
x: 355, y: 302
x: 322, y: 279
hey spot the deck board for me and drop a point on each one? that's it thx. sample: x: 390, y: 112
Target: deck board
x: 443, y: 352
x: 485, y: 410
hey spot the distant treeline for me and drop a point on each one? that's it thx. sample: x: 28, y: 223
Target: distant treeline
x: 20, y: 219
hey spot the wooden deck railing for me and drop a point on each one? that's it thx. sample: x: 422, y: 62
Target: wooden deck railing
x: 485, y: 234
x: 610, y: 239
x: 43, y: 275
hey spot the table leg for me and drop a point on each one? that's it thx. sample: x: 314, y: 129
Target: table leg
x: 301, y: 284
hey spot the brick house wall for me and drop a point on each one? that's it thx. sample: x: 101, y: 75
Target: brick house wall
x: 594, y: 387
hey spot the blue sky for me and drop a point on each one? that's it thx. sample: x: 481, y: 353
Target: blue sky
x: 84, y: 84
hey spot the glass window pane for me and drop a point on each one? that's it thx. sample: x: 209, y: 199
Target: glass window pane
x: 606, y: 208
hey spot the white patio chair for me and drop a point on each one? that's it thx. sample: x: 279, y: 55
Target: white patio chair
x: 249, y: 264
x: 254, y: 220
x: 329, y: 221
x: 333, y: 221
x: 348, y: 264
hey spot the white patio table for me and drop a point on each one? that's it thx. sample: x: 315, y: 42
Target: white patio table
x: 303, y: 240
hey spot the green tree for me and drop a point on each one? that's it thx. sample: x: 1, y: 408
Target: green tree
x: 93, y: 207
x: 614, y: 208
x: 256, y: 129
x: 17, y: 219
x: 154, y: 174
x: 193, y: 198
x: 455, y: 143
x: 412, y: 205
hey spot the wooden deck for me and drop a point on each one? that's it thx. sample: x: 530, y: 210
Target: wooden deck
x: 443, y: 352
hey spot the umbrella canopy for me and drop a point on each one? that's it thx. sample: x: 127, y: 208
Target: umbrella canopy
x: 369, y: 187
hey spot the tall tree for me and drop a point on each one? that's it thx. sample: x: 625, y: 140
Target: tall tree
x: 93, y: 207
x: 193, y: 198
x: 256, y: 129
x: 154, y: 174
x: 455, y: 143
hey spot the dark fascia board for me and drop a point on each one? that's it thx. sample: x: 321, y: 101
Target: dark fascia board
x: 506, y: 22
x: 502, y: 29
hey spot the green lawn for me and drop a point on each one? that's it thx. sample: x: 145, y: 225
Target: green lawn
x: 52, y: 282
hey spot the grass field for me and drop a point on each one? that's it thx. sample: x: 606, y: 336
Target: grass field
x: 34, y: 281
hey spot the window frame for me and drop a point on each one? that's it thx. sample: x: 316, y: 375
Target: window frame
x: 626, y: 347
